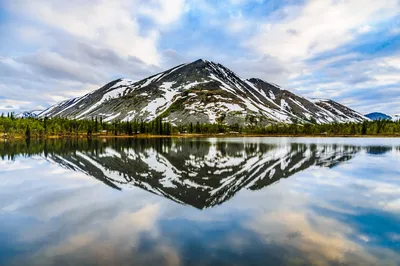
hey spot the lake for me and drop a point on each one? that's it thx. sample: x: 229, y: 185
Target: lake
x: 218, y: 201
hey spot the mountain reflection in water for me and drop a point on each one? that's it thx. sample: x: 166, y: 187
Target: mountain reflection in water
x: 196, y: 172
x: 219, y: 201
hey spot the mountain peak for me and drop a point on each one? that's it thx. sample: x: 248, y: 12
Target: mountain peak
x: 201, y: 91
x: 200, y: 60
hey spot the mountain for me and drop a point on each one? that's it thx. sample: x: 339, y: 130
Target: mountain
x: 201, y: 91
x: 382, y: 116
x: 378, y: 116
x: 29, y: 114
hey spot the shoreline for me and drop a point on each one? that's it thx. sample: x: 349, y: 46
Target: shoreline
x: 190, y: 135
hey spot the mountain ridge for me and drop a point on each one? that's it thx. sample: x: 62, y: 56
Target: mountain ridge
x: 201, y: 91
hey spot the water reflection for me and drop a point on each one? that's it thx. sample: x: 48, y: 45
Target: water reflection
x: 378, y: 150
x: 340, y: 205
x: 194, y: 172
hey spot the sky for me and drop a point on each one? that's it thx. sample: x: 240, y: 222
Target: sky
x: 345, y: 50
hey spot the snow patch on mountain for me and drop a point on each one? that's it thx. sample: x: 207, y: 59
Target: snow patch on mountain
x: 203, y: 91
x: 159, y: 105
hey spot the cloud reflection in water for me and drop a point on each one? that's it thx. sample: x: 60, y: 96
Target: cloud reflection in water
x: 224, y: 201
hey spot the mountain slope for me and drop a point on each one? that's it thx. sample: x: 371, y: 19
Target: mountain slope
x: 201, y: 91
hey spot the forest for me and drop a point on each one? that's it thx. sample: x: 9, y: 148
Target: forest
x: 11, y: 127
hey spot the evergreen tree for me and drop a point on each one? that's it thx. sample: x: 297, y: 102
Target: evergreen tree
x: 89, y: 131
x: 28, y: 132
x: 45, y: 125
x: 160, y: 127
x: 364, y: 128
x: 353, y: 130
x: 135, y: 127
x: 96, y: 126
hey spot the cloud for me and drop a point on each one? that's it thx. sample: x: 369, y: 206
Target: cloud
x: 7, y: 166
x: 267, y: 67
x: 80, y: 46
x: 364, y: 83
x: 334, y: 53
x: 319, y: 26
x: 9, y: 105
x: 173, y: 58
x: 55, y: 50
x: 58, y: 67
x: 110, y: 23
x: 311, y: 234
x: 166, y: 12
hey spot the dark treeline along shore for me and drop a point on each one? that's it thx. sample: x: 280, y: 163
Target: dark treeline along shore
x: 11, y: 127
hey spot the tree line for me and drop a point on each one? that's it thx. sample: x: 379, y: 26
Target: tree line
x: 37, y: 128
x: 34, y: 127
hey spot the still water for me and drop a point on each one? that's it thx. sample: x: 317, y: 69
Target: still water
x: 231, y: 201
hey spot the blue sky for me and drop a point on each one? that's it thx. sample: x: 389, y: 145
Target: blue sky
x: 345, y: 50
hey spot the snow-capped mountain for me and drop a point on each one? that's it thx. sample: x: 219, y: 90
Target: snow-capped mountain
x: 29, y: 114
x: 197, y: 173
x: 201, y: 91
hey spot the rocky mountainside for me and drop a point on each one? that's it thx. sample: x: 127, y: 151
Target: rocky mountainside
x: 201, y: 91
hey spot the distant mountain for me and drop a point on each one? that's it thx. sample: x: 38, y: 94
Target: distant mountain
x: 29, y: 114
x: 382, y: 116
x: 378, y: 116
x: 201, y: 91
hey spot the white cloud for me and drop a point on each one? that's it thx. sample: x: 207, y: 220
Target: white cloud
x: 319, y: 25
x: 9, y: 105
x: 237, y: 23
x: 365, y: 29
x: 311, y: 234
x: 267, y: 67
x: 166, y: 11
x: 112, y: 24
x: 83, y: 45
x: 7, y: 166
x: 68, y: 47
